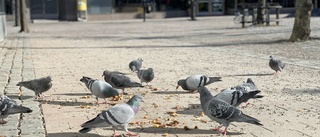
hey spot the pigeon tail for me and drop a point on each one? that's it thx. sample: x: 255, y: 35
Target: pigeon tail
x: 249, y: 80
x: 257, y: 96
x: 246, y: 96
x: 213, y: 79
x: 249, y: 119
x: 85, y: 130
x: 19, y: 109
x: 136, y: 84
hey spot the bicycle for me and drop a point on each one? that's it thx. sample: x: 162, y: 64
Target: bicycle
x: 238, y: 17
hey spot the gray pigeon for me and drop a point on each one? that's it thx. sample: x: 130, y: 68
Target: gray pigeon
x: 276, y: 64
x: 235, y: 97
x: 221, y: 111
x: 37, y: 85
x: 8, y: 107
x: 100, y: 88
x: 240, y: 93
x: 135, y: 65
x: 248, y: 86
x: 145, y: 75
x: 193, y: 82
x: 119, y: 81
x: 119, y: 115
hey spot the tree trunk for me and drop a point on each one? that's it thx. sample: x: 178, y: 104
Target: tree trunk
x: 17, y: 13
x: 23, y: 18
x: 261, y: 11
x: 301, y: 28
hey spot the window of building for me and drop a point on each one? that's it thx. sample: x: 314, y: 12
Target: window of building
x: 99, y: 6
x: 2, y: 7
x: 8, y: 6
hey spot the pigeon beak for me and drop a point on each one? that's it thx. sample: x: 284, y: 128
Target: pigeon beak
x: 143, y: 101
x: 177, y: 87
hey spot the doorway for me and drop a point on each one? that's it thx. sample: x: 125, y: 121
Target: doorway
x: 44, y: 9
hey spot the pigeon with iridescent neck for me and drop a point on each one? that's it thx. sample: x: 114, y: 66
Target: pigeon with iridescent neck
x: 221, y: 111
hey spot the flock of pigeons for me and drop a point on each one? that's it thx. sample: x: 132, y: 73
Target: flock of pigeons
x: 221, y: 107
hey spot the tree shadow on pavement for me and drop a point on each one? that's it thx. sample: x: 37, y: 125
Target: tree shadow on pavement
x: 177, y: 131
x: 171, y: 92
x: 71, y: 134
x: 20, y: 97
x: 64, y: 103
x: 258, y: 74
x: 193, y: 109
x: 75, y: 94
x: 305, y: 91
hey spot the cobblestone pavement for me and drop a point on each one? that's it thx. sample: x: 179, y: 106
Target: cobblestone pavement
x: 175, y: 48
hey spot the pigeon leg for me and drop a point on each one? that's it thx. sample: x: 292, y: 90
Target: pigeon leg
x: 191, y: 91
x: 224, y: 132
x: 97, y: 101
x: 124, y: 93
x: 217, y: 128
x: 105, y: 102
x: 131, y: 134
x: 115, y: 133
x: 246, y: 105
x: 3, y: 121
x: 44, y: 95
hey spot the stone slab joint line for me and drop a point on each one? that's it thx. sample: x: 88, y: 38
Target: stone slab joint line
x: 26, y: 51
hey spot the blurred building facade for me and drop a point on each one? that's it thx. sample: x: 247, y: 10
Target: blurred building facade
x: 68, y: 10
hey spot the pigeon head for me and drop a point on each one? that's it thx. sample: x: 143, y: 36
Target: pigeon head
x: 137, y: 98
x: 150, y: 71
x: 105, y: 73
x: 134, y: 102
x: 48, y: 78
x: 183, y: 84
x: 140, y: 59
x: 114, y: 92
x: 271, y: 57
x: 85, y: 79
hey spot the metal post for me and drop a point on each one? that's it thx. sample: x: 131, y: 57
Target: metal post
x: 144, y: 10
x: 277, y: 15
x: 243, y: 18
x: 268, y: 16
x: 193, y: 11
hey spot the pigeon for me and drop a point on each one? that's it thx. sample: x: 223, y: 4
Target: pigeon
x: 145, y: 75
x: 248, y: 86
x: 246, y: 90
x: 135, y: 65
x: 235, y: 97
x: 8, y: 107
x: 276, y: 64
x: 37, y: 85
x: 119, y: 115
x: 193, y: 82
x: 100, y: 88
x: 221, y: 111
x: 119, y: 81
